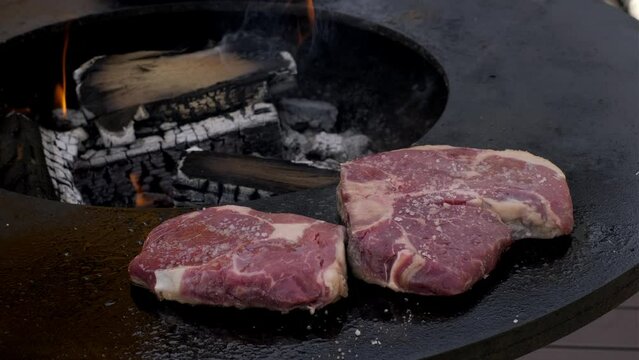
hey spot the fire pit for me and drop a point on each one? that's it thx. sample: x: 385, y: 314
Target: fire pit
x: 525, y: 75
x: 294, y: 88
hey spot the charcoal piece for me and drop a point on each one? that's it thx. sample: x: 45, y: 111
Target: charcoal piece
x: 23, y: 168
x: 341, y: 147
x: 301, y: 114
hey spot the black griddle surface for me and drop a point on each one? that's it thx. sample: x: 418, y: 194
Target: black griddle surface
x: 557, y: 78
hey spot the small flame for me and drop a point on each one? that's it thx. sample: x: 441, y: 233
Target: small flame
x: 61, y: 98
x: 310, y: 9
x: 141, y: 200
x: 135, y: 181
x: 61, y: 89
x: 310, y: 14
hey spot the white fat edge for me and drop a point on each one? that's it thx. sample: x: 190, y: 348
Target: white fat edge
x: 522, y: 156
x: 364, y: 188
x: 168, y: 283
x: 430, y: 147
x: 238, y: 209
x: 334, y: 276
x: 290, y: 232
x: 361, y: 190
x: 523, y: 220
x: 403, y: 240
x: 417, y: 262
x: 513, y: 154
x: 368, y: 211
x: 409, y: 250
x: 341, y: 207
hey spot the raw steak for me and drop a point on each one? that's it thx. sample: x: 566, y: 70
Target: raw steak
x: 434, y: 220
x: 236, y: 256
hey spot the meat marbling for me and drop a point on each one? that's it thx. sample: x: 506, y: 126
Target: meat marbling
x: 236, y: 256
x: 433, y: 220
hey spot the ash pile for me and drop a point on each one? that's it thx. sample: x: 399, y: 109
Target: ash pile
x: 214, y: 126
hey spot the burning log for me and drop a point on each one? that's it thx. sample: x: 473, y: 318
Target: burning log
x: 142, y: 90
x: 101, y: 175
x: 277, y: 176
x: 22, y: 160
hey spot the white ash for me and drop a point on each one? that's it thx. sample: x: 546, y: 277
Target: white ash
x: 286, y: 79
x: 323, y: 149
x: 60, y: 153
x: 301, y: 114
x: 141, y: 114
x: 187, y: 135
x: 72, y: 118
x: 341, y: 147
x: 194, y: 149
x: 296, y: 145
x: 76, y: 162
x: 632, y: 7
x: 195, y: 183
x: 122, y: 137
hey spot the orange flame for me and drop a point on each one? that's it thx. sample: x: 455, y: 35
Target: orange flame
x: 135, y: 181
x: 61, y: 98
x: 310, y: 14
x: 310, y: 9
x: 141, y: 200
x: 61, y: 89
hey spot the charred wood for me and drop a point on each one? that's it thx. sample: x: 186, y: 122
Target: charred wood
x: 277, y: 176
x: 138, y: 92
x: 102, y: 175
x: 22, y: 163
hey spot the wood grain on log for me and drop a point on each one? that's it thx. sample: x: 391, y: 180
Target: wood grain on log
x: 170, y: 86
x: 278, y: 176
x: 120, y: 81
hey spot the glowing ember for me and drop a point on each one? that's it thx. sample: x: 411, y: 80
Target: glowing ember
x: 310, y: 14
x: 310, y: 9
x: 61, y: 89
x: 135, y: 181
x: 140, y: 199
x: 145, y: 199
